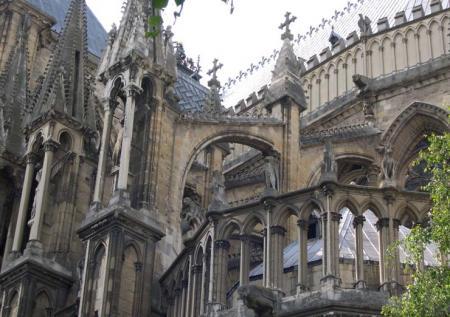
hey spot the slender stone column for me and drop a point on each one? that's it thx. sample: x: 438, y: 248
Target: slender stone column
x: 245, y: 261
x: 358, y: 223
x: 383, y: 231
x: 276, y: 255
x: 205, y: 282
x: 195, y: 300
x: 124, y: 169
x: 178, y: 299
x: 333, y: 240
x: 302, y: 282
x: 50, y: 147
x: 106, y: 136
x: 184, y: 291
x: 323, y: 222
x: 24, y: 203
x: 221, y: 251
x: 395, y: 275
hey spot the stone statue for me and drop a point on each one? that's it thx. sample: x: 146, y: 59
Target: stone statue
x: 388, y: 168
x: 218, y: 198
x: 36, y: 192
x: 118, y: 145
x: 329, y: 165
x: 191, y: 215
x: 271, y: 173
x: 365, y: 25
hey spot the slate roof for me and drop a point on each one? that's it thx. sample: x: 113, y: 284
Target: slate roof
x: 191, y: 92
x: 57, y: 9
x: 347, y: 245
x: 316, y: 39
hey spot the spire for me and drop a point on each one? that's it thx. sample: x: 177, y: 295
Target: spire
x: 131, y: 37
x: 213, y: 102
x: 65, y: 88
x: 14, y: 94
x: 285, y: 76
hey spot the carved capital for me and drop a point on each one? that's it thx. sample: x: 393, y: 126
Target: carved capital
x: 278, y: 230
x: 50, y: 146
x: 382, y: 223
x: 303, y: 224
x: 222, y: 244
x: 358, y: 221
x: 133, y: 90
x: 335, y: 216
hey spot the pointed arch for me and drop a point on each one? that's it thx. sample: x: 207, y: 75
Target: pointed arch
x: 347, y: 202
x: 283, y: 212
x: 42, y: 305
x: 251, y: 221
x: 128, y: 281
x: 375, y: 206
x: 229, y: 227
x: 308, y: 208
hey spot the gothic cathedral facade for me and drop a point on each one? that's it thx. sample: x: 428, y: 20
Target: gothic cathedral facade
x: 127, y: 188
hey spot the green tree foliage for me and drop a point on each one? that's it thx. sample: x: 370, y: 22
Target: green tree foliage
x: 429, y: 293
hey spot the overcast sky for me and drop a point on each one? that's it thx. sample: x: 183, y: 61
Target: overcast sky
x: 207, y: 28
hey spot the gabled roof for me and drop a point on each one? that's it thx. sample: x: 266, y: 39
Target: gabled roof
x: 57, y: 9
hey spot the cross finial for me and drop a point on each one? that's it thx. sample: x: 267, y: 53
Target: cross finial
x: 286, y: 24
x: 216, y: 67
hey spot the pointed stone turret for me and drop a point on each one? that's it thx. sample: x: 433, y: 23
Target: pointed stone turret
x: 14, y: 94
x: 130, y: 38
x: 64, y: 92
x: 285, y: 76
x: 213, y: 103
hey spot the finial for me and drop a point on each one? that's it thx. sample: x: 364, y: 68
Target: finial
x: 286, y: 24
x: 216, y: 67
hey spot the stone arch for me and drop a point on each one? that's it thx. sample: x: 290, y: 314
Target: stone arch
x: 42, y: 304
x: 13, y: 304
x: 411, y: 47
x: 387, y: 54
x: 407, y: 214
x: 416, y: 108
x: 252, y: 220
x: 409, y: 127
x: 359, y: 61
x: 65, y: 139
x: 400, y: 58
x: 375, y: 206
x: 98, y: 279
x: 198, y: 255
x: 437, y: 44
x: 424, y: 43
x: 227, y: 136
x: 353, y: 168
x: 228, y: 227
x: 347, y: 202
x: 281, y: 213
x: 308, y: 207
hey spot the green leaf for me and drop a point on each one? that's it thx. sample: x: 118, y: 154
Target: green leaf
x: 179, y: 2
x: 159, y: 4
x: 152, y: 34
x: 155, y: 21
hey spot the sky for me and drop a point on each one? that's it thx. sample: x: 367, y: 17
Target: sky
x: 207, y: 29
